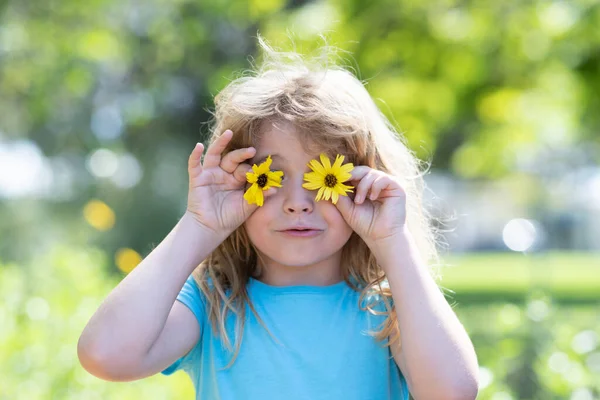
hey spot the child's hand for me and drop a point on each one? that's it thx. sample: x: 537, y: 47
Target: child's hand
x: 216, y: 188
x: 379, y: 207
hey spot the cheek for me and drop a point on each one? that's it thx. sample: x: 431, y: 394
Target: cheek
x: 334, y: 219
x: 257, y: 224
x: 254, y: 221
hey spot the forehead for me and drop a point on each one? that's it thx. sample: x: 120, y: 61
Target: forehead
x: 283, y: 138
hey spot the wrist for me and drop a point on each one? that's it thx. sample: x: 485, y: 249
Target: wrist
x: 387, y: 249
x: 205, y: 234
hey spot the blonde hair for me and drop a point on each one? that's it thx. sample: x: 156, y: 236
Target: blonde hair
x: 332, y: 108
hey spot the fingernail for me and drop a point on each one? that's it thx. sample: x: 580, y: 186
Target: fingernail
x: 357, y: 199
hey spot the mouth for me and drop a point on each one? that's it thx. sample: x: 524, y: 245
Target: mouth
x: 302, y: 232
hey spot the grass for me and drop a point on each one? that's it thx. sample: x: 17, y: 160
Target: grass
x: 568, y: 277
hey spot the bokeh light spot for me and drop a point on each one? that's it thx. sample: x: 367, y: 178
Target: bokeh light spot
x: 102, y: 163
x: 99, y: 45
x: 519, y: 234
x: 501, y: 396
x: 558, y: 362
x: 486, y: 377
x: 537, y: 310
x: 37, y: 309
x: 99, y: 215
x: 585, y: 341
x: 127, y: 259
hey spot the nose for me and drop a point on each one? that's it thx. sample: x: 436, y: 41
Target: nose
x: 297, y: 199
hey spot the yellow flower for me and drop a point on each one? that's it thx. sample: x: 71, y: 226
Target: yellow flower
x: 261, y: 178
x: 328, y: 178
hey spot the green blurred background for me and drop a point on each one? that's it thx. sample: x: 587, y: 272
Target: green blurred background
x: 102, y: 101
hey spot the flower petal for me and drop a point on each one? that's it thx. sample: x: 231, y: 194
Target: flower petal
x: 260, y: 199
x: 316, y: 167
x: 265, y: 166
x: 326, y: 163
x: 314, y: 177
x: 272, y: 183
x: 278, y: 174
x: 339, y: 159
x: 312, y: 185
x: 251, y: 177
x: 334, y: 197
x: 343, y: 177
x: 250, y: 195
x: 347, y: 168
x: 327, y: 193
x: 274, y: 178
x: 320, y: 193
x: 342, y: 189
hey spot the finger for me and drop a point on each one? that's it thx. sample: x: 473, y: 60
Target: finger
x: 194, y: 165
x: 240, y: 172
x: 359, y: 172
x: 213, y: 154
x: 345, y: 207
x: 230, y: 162
x: 270, y: 192
x: 378, y: 185
x: 363, y: 187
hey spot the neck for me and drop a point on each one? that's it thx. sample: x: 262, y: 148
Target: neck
x: 323, y: 273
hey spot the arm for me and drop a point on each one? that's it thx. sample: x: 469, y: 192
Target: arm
x: 436, y: 356
x: 140, y: 328
x: 121, y: 333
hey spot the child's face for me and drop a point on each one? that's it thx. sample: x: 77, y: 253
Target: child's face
x: 292, y: 207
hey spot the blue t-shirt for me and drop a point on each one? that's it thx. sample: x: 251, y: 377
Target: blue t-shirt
x: 321, y: 348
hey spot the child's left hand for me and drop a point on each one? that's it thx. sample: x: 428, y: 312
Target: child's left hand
x: 382, y: 214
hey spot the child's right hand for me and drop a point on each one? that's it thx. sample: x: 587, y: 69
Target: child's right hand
x: 216, y: 187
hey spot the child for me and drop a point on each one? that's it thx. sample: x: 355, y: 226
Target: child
x: 294, y: 277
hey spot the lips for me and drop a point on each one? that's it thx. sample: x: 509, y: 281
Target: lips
x: 301, y: 234
x: 301, y: 231
x: 300, y: 228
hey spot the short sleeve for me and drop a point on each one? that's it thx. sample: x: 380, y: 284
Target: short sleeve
x: 191, y: 296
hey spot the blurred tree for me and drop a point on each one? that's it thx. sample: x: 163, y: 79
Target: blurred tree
x: 476, y: 87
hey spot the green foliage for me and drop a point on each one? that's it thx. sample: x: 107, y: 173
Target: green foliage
x: 533, y: 320
x: 478, y: 87
x: 539, y: 348
x: 458, y: 78
x: 45, y: 307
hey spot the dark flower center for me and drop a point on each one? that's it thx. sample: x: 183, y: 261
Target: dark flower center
x: 262, y: 180
x: 330, y: 180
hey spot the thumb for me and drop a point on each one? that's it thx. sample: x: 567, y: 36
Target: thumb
x: 345, y: 206
x: 270, y: 192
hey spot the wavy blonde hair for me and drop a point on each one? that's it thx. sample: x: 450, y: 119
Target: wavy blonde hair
x: 331, y: 108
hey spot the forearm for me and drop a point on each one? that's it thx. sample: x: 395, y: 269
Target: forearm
x: 132, y: 316
x: 436, y: 349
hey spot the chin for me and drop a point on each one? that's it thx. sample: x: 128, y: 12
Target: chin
x: 294, y: 260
